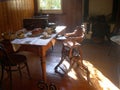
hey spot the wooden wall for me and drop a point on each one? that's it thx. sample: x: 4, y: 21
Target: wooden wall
x: 71, y: 16
x: 72, y: 10
x: 100, y: 7
x: 12, y: 13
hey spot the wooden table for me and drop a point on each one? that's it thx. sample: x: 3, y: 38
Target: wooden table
x: 39, y: 46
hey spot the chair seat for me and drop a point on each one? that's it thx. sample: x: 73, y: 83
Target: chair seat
x: 70, y: 44
x: 16, y: 59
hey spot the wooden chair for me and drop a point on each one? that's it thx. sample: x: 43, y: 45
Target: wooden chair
x: 72, y: 53
x: 12, y: 62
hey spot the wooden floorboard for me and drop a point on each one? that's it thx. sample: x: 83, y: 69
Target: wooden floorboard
x: 96, y: 54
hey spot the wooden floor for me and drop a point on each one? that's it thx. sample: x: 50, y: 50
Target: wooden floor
x: 95, y: 56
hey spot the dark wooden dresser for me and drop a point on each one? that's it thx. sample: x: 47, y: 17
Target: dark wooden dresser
x: 31, y: 23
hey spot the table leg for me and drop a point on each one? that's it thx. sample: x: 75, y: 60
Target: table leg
x: 43, y: 64
x: 42, y: 53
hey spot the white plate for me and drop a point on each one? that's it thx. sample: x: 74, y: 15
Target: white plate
x: 61, y: 38
x: 34, y: 35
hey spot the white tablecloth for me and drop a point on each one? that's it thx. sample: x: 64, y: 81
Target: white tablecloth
x: 116, y: 39
x: 37, y: 40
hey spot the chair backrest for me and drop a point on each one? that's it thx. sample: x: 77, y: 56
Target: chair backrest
x: 8, y: 46
x: 4, y: 58
x: 77, y: 35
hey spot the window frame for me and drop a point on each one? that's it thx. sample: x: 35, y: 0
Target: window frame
x: 49, y: 11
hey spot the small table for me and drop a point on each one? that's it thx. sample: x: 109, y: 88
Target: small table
x: 39, y: 46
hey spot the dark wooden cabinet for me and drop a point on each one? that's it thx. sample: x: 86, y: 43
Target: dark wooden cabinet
x: 32, y: 23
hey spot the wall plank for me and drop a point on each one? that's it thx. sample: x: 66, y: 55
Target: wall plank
x: 12, y: 13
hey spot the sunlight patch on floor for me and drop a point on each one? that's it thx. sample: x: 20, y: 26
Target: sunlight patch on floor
x: 66, y: 64
x: 72, y: 74
x: 99, y: 78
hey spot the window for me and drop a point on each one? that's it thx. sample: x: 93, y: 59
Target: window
x: 50, y: 6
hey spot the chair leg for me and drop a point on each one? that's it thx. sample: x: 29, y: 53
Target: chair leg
x: 62, y: 59
x: 10, y: 76
x: 9, y: 72
x: 110, y: 48
x: 19, y: 71
x: 87, y: 72
x: 58, y: 64
x: 2, y: 73
x: 88, y: 75
x: 84, y: 68
x: 10, y: 80
x: 1, y: 79
x: 28, y: 70
x: 0, y: 85
x: 72, y: 62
